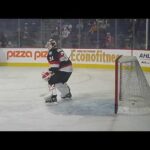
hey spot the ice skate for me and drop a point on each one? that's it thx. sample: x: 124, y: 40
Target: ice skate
x: 51, y: 99
x: 67, y: 96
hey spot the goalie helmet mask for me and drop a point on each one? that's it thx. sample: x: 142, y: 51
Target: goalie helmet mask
x: 51, y: 44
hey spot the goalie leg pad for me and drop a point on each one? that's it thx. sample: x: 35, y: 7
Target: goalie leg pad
x: 64, y: 90
x: 52, y: 95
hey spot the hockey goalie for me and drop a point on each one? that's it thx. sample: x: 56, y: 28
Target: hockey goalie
x: 58, y: 74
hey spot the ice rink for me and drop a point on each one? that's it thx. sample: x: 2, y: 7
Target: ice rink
x: 22, y: 107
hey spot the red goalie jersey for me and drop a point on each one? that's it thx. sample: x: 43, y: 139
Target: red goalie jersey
x: 58, y: 60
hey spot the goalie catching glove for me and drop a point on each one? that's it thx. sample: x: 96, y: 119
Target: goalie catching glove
x: 47, y: 75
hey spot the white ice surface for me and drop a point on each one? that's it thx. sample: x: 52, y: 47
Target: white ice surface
x: 22, y: 107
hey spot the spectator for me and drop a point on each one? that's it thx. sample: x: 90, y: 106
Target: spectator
x: 10, y: 45
x: 0, y: 44
x: 65, y: 33
x: 109, y: 41
x: 3, y: 39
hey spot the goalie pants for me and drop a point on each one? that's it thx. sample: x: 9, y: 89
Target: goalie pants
x: 59, y: 77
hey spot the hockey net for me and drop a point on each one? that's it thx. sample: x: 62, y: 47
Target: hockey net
x: 132, y: 91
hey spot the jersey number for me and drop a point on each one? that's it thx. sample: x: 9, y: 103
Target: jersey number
x: 51, y: 58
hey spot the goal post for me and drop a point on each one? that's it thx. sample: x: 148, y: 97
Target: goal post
x: 132, y: 91
x: 116, y: 84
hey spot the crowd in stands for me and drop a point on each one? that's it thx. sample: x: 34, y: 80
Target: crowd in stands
x: 74, y: 33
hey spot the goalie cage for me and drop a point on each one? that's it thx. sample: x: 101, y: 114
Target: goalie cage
x: 132, y: 91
